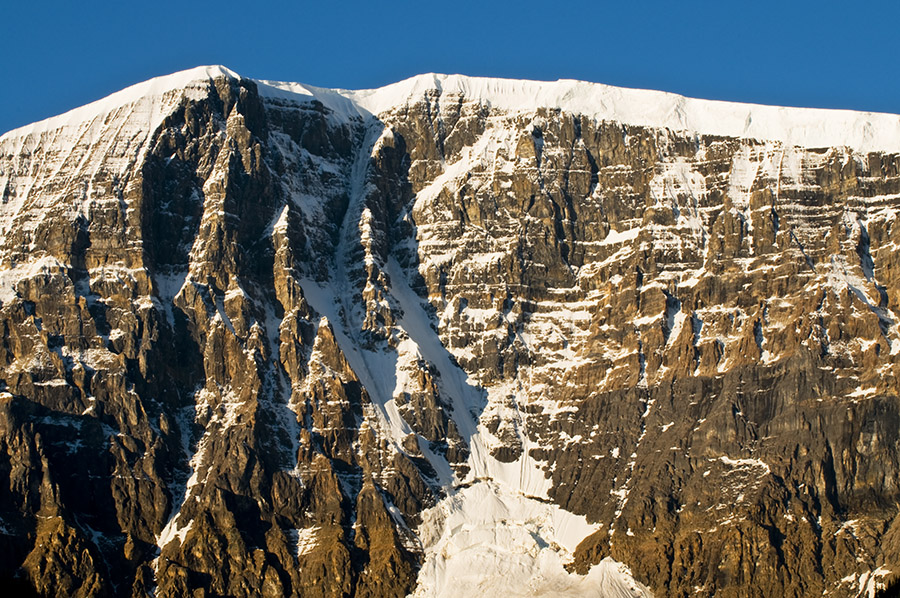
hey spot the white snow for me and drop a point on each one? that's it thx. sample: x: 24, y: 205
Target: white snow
x: 863, y: 392
x: 745, y: 463
x: 615, y: 237
x: 806, y: 127
x: 867, y: 583
x: 306, y: 540
x: 167, y: 287
x: 172, y: 531
x: 9, y: 277
x: 524, y: 475
x: 223, y: 416
x: 487, y: 541
x: 156, y: 87
x: 83, y: 150
x: 493, y: 533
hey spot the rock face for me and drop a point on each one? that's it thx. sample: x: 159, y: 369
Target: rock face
x: 268, y: 340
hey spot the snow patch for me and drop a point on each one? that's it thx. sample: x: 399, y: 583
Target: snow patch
x: 306, y: 540
x: 487, y: 541
x: 11, y: 276
x: 615, y: 237
x: 745, y: 463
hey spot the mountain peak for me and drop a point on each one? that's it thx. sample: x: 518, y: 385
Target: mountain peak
x: 149, y: 89
x: 454, y: 336
x: 804, y: 127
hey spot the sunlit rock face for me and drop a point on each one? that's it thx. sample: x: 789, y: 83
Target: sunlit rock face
x: 452, y: 335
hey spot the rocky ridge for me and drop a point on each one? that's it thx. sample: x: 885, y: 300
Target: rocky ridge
x: 267, y: 339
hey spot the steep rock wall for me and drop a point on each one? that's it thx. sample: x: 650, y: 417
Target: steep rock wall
x: 256, y: 344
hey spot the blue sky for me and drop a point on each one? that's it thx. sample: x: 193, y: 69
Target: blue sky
x: 55, y: 55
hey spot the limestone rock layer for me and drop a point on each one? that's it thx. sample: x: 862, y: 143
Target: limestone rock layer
x: 268, y: 340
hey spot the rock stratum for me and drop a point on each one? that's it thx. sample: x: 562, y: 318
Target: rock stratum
x: 450, y: 337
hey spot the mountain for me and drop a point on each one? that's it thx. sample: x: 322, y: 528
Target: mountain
x: 453, y: 336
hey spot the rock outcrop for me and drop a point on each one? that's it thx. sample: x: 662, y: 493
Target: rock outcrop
x: 260, y: 339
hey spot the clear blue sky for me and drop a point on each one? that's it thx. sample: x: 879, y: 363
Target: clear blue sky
x: 57, y: 55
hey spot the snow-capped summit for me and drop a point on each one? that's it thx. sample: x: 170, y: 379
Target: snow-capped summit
x: 453, y: 336
x: 804, y: 127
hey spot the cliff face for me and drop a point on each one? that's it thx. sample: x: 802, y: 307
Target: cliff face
x: 263, y: 339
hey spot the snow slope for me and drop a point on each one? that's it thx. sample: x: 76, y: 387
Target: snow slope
x: 152, y: 88
x: 806, y: 127
x: 43, y: 163
x: 487, y: 541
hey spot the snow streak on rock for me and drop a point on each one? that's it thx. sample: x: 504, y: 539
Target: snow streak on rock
x: 451, y: 336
